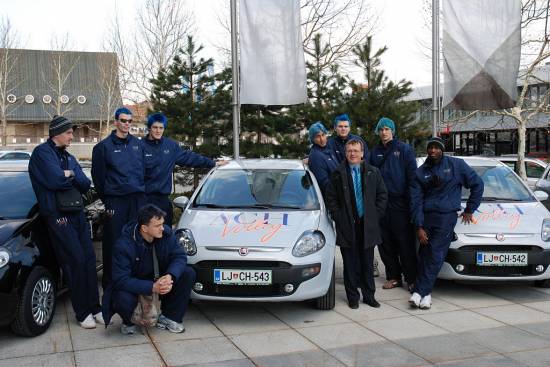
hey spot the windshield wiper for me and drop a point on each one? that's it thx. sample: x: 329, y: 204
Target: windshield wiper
x: 494, y: 198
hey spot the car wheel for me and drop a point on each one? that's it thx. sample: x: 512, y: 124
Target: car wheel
x: 36, y: 305
x: 543, y: 283
x: 327, y: 301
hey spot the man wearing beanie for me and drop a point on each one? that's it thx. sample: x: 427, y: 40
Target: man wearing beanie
x: 118, y: 172
x: 436, y: 193
x: 54, y: 173
x: 161, y: 156
x: 321, y: 160
x: 397, y: 164
x: 337, y: 142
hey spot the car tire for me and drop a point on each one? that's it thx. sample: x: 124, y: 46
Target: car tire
x: 542, y: 283
x: 36, y: 305
x: 327, y: 301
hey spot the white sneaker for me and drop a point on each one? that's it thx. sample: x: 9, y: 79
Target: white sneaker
x: 88, y: 322
x: 415, y: 299
x: 426, y: 302
x: 98, y: 317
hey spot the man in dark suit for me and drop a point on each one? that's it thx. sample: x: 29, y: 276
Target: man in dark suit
x: 356, y: 198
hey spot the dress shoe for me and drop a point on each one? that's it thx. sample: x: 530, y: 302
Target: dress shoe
x: 371, y: 302
x: 353, y: 305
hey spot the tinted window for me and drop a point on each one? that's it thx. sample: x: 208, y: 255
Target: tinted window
x: 15, y: 156
x: 250, y: 188
x: 533, y: 170
x: 16, y: 195
x: 500, y: 184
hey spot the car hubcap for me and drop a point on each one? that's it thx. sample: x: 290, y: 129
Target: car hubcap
x: 42, y: 301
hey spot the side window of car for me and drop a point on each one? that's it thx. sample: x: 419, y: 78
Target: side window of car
x: 533, y: 170
x: 512, y: 165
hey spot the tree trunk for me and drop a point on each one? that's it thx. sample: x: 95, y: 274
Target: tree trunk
x: 521, y: 143
x: 4, y: 131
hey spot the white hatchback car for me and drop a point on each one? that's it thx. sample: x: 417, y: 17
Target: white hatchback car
x: 510, y: 238
x: 258, y: 230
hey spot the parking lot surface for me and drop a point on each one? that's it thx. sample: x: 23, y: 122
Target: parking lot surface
x: 468, y: 325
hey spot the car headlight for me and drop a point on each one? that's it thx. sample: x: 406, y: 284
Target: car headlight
x: 4, y: 258
x: 308, y: 243
x: 187, y: 241
x: 545, y: 231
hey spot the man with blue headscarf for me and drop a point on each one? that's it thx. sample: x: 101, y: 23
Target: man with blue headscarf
x: 337, y: 142
x: 322, y: 161
x: 397, y: 164
x: 161, y: 156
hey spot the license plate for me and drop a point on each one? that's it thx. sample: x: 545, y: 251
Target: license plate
x: 501, y: 259
x: 242, y: 277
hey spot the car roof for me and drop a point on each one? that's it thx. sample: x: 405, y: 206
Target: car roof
x: 288, y: 164
x: 14, y: 166
x: 514, y: 157
x: 477, y: 161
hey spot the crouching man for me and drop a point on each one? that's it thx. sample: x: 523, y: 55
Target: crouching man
x: 134, y: 272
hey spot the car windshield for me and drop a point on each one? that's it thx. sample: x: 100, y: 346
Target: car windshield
x: 501, y: 184
x: 258, y: 188
x: 17, y: 197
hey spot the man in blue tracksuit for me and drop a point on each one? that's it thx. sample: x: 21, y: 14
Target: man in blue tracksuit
x: 337, y: 142
x: 322, y: 161
x: 397, y: 164
x: 118, y: 172
x: 436, y: 195
x: 53, y: 171
x: 161, y: 156
x: 134, y: 272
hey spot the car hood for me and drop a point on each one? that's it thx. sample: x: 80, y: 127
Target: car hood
x: 506, y: 218
x: 8, y: 228
x: 249, y: 228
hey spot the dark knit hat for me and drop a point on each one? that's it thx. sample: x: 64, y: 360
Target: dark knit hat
x: 436, y: 141
x: 59, y: 125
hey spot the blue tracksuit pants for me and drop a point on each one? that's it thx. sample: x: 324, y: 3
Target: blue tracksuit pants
x: 440, y: 229
x: 173, y: 305
x: 119, y: 210
x: 72, y: 244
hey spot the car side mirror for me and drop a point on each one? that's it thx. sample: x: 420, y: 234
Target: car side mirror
x: 541, y: 195
x: 181, y: 202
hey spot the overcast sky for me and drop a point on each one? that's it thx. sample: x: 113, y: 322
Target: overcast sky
x: 400, y: 27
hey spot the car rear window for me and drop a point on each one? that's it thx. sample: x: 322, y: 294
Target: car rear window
x: 17, y: 197
x: 241, y: 188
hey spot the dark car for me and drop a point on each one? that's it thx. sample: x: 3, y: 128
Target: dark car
x: 30, y: 278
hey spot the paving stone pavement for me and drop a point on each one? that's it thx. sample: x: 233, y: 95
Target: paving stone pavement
x: 469, y: 325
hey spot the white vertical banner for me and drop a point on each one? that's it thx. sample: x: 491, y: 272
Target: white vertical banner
x: 272, y: 62
x: 481, y: 51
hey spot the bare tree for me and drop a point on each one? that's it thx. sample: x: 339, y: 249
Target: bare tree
x: 56, y: 74
x: 109, y: 90
x: 9, y: 78
x: 159, y: 32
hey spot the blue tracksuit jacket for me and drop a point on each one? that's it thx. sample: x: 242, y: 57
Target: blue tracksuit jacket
x: 338, y: 146
x: 46, y: 168
x: 160, y: 158
x: 118, y: 168
x: 444, y: 197
x: 397, y: 170
x: 322, y: 162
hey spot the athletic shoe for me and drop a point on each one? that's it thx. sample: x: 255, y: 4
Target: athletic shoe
x: 88, y: 322
x: 426, y: 302
x: 415, y: 299
x: 128, y: 329
x: 165, y: 323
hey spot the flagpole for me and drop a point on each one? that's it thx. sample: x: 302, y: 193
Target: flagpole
x: 235, y: 78
x: 435, y: 67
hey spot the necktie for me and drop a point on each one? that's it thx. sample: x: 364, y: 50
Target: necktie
x: 358, y: 191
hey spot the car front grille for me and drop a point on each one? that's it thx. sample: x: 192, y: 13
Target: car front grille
x: 242, y: 264
x: 500, y: 271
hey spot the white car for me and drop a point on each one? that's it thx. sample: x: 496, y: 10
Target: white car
x: 15, y: 155
x: 510, y: 237
x: 533, y: 167
x: 258, y: 230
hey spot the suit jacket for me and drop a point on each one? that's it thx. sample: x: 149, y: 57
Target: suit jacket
x: 340, y: 201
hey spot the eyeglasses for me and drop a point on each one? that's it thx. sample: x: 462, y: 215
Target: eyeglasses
x: 125, y: 121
